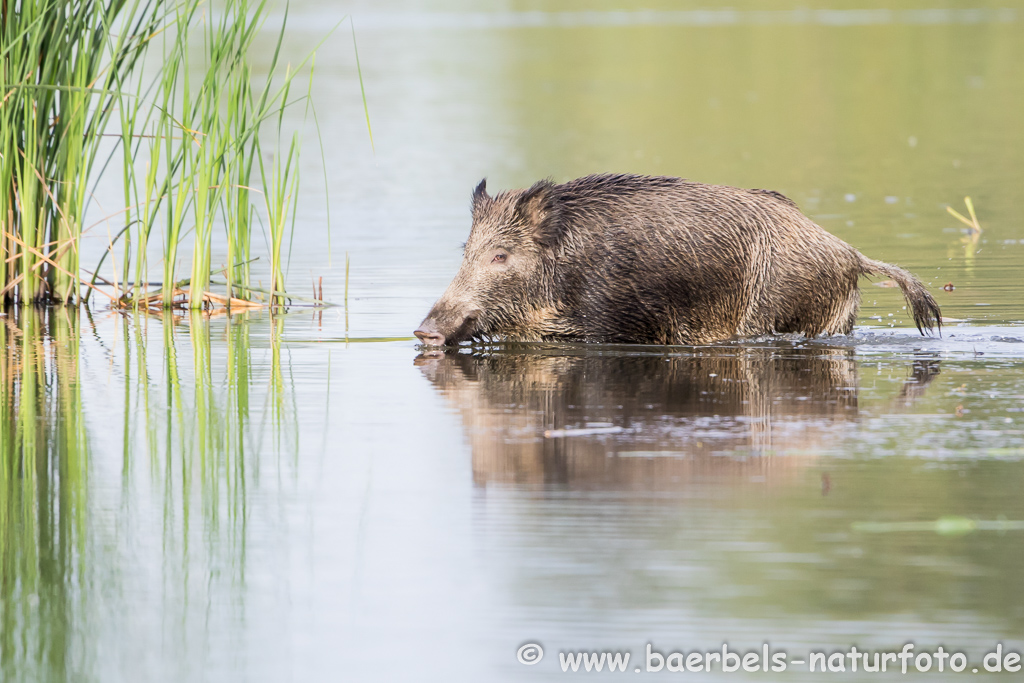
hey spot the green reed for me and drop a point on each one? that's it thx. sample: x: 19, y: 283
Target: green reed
x: 207, y: 135
x: 58, y: 67
x: 172, y: 84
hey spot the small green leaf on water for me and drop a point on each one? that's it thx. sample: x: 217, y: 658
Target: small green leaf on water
x: 954, y: 525
x: 950, y: 525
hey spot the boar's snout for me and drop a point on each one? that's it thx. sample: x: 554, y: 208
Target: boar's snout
x: 428, y: 333
x: 446, y: 324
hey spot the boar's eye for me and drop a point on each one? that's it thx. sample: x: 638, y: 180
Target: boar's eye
x: 499, y: 258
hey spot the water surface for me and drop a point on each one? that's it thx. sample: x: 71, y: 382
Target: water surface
x: 193, y: 499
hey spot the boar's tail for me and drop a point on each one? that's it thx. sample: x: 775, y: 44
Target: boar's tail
x: 926, y: 312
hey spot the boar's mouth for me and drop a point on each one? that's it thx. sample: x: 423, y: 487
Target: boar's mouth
x: 469, y: 330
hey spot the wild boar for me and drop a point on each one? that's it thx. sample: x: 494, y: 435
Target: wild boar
x: 652, y: 260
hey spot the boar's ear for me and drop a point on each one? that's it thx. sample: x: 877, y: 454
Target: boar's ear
x: 480, y: 198
x: 538, y: 208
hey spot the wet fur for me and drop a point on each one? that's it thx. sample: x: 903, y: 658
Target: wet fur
x: 627, y: 258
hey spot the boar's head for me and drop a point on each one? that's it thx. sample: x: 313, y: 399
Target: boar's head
x: 505, y: 286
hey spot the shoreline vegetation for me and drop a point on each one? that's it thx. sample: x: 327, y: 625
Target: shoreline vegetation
x: 201, y: 145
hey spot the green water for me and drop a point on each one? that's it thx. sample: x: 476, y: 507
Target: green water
x: 186, y: 499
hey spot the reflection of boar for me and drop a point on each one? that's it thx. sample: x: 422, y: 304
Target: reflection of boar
x: 680, y: 414
x: 619, y: 258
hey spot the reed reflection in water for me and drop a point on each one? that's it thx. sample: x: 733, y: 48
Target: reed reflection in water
x: 201, y: 401
x: 44, y: 461
x: 652, y: 419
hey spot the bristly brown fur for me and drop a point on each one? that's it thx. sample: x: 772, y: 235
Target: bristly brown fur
x: 642, y: 259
